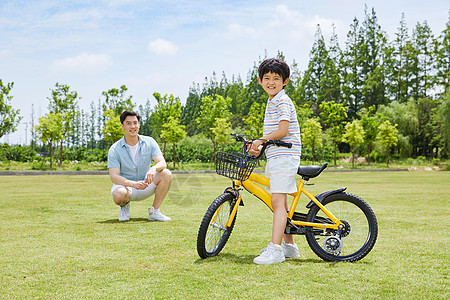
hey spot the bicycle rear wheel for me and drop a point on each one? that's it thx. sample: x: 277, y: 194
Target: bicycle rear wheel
x: 358, y: 237
x: 212, y: 234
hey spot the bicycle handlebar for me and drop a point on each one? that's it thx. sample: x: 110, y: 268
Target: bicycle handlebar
x: 241, y: 138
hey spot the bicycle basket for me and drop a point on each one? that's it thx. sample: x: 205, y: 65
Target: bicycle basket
x: 235, y: 165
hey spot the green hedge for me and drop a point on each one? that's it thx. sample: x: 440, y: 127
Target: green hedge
x: 17, y: 153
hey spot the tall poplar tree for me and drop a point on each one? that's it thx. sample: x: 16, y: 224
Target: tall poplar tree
x: 399, y: 72
x: 320, y: 82
x: 64, y: 102
x: 9, y: 117
x: 442, y: 54
x: 350, y: 71
x: 372, y: 60
x: 422, y: 42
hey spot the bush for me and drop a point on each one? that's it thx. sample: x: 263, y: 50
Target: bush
x: 192, y: 149
x: 324, y: 154
x: 17, y: 153
x: 83, y: 154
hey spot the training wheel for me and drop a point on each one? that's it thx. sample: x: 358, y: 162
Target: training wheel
x: 332, y: 244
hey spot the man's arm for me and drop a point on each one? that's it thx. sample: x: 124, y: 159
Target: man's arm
x: 114, y: 174
x: 160, y: 164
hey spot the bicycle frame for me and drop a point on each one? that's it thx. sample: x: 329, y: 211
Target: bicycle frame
x: 251, y: 185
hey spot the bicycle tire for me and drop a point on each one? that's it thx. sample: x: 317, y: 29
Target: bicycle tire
x: 357, y: 239
x: 211, y: 236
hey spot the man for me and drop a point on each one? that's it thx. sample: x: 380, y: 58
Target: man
x: 130, y: 170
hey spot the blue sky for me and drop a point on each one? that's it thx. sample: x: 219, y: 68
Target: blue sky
x: 165, y: 46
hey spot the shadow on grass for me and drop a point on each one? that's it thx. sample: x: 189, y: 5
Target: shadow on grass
x: 117, y: 221
x: 248, y: 259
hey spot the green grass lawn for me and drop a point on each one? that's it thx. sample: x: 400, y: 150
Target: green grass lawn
x: 61, y: 239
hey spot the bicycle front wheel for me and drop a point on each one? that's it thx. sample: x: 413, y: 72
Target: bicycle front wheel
x: 358, y: 237
x: 212, y: 234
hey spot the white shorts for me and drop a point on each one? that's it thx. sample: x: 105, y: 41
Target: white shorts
x: 282, y: 171
x: 137, y: 195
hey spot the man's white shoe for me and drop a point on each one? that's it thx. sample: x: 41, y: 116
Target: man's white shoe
x: 272, y: 254
x: 290, y: 250
x: 125, y: 212
x: 156, y: 215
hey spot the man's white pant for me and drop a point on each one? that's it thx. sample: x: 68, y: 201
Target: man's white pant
x: 137, y: 195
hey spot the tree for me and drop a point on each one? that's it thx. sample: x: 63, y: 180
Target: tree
x: 351, y: 71
x: 191, y: 110
x: 166, y: 106
x: 422, y: 43
x: 213, y: 107
x: 399, y: 73
x: 442, y: 53
x: 255, y: 119
x: 406, y: 116
x: 172, y: 132
x: 221, y: 133
x: 9, y: 117
x: 50, y: 130
x: 112, y: 131
x: 63, y: 101
x: 371, y: 61
x: 146, y: 126
x: 303, y: 113
x: 321, y: 80
x: 354, y: 136
x: 444, y: 116
x: 387, y: 137
x: 312, y: 135
x: 428, y: 138
x: 370, y: 122
x: 116, y: 100
x: 333, y: 114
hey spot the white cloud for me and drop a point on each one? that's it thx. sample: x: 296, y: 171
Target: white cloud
x: 83, y: 63
x: 237, y: 30
x: 5, y: 52
x: 162, y: 47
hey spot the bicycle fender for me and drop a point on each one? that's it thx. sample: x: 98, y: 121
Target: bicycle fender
x: 323, y: 195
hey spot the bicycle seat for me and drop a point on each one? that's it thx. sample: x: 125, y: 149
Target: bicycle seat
x: 311, y: 171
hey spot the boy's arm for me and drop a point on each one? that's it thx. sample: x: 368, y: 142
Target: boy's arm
x: 278, y: 134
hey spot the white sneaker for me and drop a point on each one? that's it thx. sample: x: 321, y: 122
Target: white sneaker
x: 125, y: 212
x: 290, y: 250
x: 272, y: 254
x: 156, y: 215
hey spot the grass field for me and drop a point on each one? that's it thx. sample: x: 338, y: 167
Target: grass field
x: 61, y: 239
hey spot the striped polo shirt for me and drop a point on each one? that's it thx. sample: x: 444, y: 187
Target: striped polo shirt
x: 278, y: 109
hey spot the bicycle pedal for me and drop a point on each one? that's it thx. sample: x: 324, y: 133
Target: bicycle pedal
x: 292, y: 230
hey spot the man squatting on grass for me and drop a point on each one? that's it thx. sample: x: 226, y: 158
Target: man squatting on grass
x: 280, y: 123
x: 130, y: 170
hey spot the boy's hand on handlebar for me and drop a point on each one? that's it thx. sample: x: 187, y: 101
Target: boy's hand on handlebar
x: 255, y: 152
x: 256, y: 147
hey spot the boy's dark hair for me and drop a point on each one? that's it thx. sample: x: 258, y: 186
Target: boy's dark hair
x: 127, y: 113
x: 274, y: 65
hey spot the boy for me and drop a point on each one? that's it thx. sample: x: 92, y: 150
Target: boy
x: 280, y: 123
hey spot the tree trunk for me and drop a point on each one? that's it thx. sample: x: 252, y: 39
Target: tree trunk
x: 353, y: 159
x: 173, y: 154
x: 51, y: 155
x: 60, y: 153
x: 335, y: 151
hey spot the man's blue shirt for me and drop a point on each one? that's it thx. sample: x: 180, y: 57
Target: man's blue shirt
x: 119, y: 157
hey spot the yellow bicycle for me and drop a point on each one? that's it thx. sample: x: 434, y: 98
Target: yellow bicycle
x: 338, y: 226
